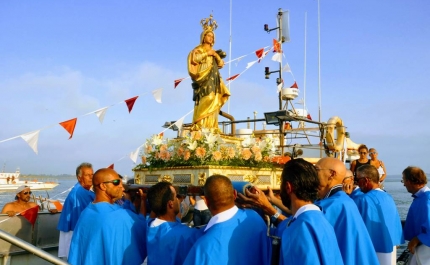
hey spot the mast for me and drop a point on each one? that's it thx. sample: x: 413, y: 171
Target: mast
x: 229, y: 53
x: 319, y: 70
x: 304, y: 71
x: 319, y: 64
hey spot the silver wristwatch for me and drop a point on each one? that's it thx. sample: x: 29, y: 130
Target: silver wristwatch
x: 274, y: 217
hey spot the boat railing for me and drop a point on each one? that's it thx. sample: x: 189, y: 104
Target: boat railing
x: 38, y: 180
x: 19, y: 239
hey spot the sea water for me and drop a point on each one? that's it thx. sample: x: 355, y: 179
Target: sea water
x: 392, y: 185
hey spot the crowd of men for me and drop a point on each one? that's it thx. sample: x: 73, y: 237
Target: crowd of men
x: 329, y: 217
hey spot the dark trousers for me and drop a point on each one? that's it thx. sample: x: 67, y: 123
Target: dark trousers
x: 201, y: 217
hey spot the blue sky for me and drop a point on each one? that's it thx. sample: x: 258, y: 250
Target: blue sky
x: 63, y: 59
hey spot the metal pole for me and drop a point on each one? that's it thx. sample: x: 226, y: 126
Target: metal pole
x: 30, y: 248
x: 281, y: 124
x: 229, y: 52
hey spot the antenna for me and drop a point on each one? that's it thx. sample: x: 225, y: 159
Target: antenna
x: 229, y: 53
x: 319, y: 70
x: 304, y: 72
x: 319, y: 64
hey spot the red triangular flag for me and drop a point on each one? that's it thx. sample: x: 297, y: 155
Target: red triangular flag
x: 130, y: 103
x: 31, y: 214
x: 111, y: 166
x: 276, y: 46
x: 309, y: 116
x: 232, y: 77
x: 294, y: 85
x: 177, y: 81
x: 259, y: 53
x: 69, y: 126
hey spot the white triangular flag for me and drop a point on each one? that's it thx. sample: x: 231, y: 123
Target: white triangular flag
x: 157, y: 94
x: 32, y: 138
x: 101, y: 113
x: 251, y: 64
x: 179, y: 123
x: 277, y: 57
x: 301, y: 102
x: 133, y: 155
x: 286, y: 68
x: 239, y: 59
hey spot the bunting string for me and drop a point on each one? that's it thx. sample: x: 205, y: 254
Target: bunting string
x: 32, y: 137
x: 69, y: 125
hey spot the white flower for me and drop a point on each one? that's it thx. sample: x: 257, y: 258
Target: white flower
x: 248, y: 142
x: 206, y: 131
x: 211, y: 139
x: 192, y: 145
x: 157, y: 140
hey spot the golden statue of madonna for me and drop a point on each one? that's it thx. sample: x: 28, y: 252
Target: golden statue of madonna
x: 209, y: 90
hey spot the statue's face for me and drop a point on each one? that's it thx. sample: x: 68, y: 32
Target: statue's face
x: 209, y: 38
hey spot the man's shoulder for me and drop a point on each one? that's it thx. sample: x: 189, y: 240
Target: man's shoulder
x: 9, y: 205
x: 79, y: 193
x: 32, y: 204
x: 339, y: 199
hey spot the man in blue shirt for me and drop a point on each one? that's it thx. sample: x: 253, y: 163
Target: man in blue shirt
x: 307, y: 236
x: 106, y: 233
x: 341, y: 212
x: 77, y: 200
x: 168, y: 240
x: 233, y: 235
x: 380, y: 215
x: 417, y: 225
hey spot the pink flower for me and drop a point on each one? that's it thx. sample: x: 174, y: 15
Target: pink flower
x: 165, y: 155
x: 231, y: 152
x: 148, y: 149
x: 217, y: 155
x: 187, y: 155
x: 246, y: 153
x: 258, y: 156
x: 143, y: 159
x: 181, y: 151
x: 255, y: 149
x: 163, y: 147
x: 196, y: 135
x: 200, y: 152
x: 266, y: 159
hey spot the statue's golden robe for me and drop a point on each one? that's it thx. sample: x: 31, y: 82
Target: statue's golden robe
x: 210, y: 92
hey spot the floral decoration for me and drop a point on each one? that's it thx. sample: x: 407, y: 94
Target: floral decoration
x: 207, y: 148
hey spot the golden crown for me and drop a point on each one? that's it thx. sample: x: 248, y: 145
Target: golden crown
x: 209, y: 23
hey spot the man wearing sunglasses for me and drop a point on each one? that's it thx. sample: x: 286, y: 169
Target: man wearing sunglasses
x: 380, y: 215
x: 21, y: 204
x: 106, y: 233
x: 77, y: 200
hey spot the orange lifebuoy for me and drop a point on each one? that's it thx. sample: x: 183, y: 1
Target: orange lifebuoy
x: 335, y: 143
x: 56, y: 204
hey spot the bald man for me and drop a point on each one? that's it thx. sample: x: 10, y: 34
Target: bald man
x: 106, y: 233
x: 232, y: 236
x: 353, y: 239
